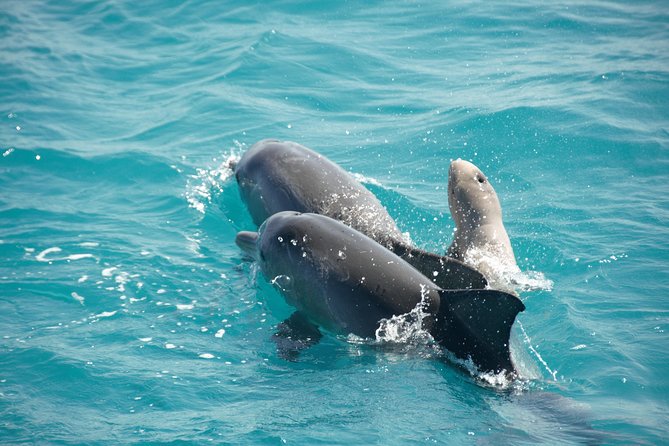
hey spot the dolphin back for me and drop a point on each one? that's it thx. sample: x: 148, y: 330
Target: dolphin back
x: 477, y: 324
x: 276, y: 176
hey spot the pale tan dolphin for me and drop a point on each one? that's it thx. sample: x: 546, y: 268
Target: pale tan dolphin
x: 480, y: 239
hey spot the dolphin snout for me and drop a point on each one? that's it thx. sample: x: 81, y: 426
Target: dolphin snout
x: 462, y: 170
x: 247, y: 241
x: 460, y: 166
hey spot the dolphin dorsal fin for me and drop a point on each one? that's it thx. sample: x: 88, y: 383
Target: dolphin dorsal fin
x: 446, y: 272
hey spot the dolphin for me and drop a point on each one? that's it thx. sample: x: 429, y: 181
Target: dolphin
x: 275, y: 176
x: 345, y: 282
x: 480, y: 239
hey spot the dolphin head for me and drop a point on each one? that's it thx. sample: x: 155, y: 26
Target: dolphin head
x: 283, y: 248
x: 278, y: 246
x: 471, y: 198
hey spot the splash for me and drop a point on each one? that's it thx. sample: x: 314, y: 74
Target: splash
x: 503, y: 273
x: 406, y: 328
x: 208, y: 182
x: 499, y: 380
x: 531, y: 281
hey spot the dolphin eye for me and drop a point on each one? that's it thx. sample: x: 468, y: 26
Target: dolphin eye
x: 480, y: 178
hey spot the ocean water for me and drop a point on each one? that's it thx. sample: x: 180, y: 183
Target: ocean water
x: 128, y: 315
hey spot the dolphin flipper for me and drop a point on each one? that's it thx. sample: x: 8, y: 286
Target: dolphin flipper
x: 446, y: 272
x: 294, y: 335
x: 477, y: 324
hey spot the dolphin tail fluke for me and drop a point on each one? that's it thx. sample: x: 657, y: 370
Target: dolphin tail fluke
x: 477, y: 324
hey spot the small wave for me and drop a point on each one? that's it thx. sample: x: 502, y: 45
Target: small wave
x: 208, y: 182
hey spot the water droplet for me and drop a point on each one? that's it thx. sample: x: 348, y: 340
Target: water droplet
x: 283, y: 282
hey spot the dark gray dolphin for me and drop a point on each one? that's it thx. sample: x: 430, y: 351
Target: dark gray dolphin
x: 277, y: 176
x: 344, y: 281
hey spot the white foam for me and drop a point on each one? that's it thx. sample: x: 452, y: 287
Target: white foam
x: 220, y: 333
x: 77, y: 297
x: 106, y: 314
x: 107, y: 272
x: 185, y: 306
x: 503, y: 273
x: 501, y: 380
x: 121, y: 279
x: 41, y: 257
x: 79, y: 256
x: 206, y: 355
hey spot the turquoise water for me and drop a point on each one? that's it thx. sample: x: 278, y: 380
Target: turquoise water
x: 127, y: 314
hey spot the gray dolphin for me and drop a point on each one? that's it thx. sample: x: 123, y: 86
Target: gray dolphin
x: 342, y: 280
x: 275, y: 176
